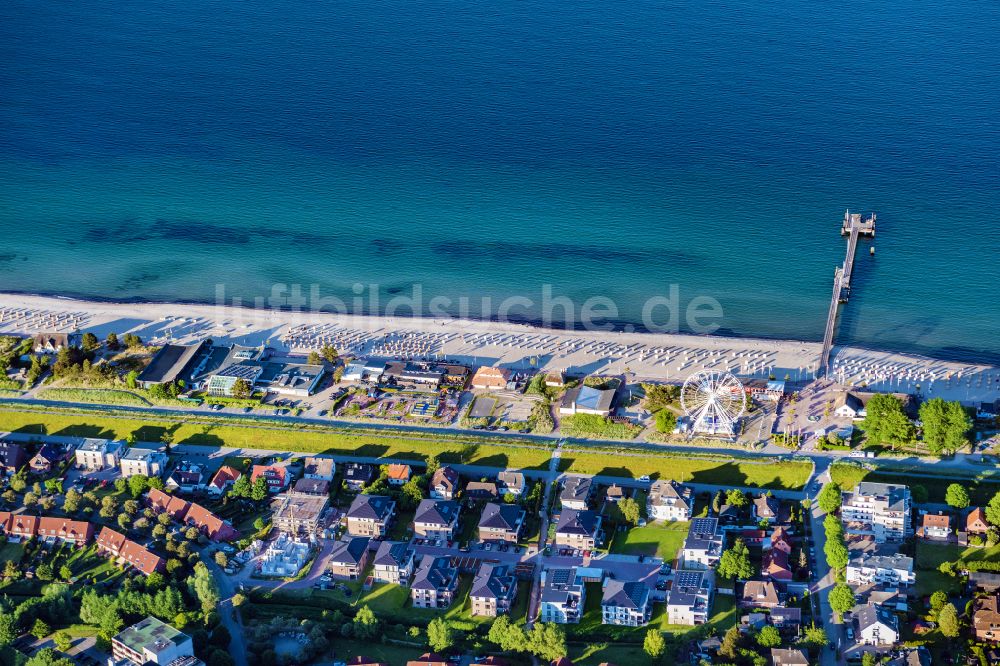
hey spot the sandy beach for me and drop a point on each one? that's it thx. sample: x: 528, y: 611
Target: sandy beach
x: 644, y: 355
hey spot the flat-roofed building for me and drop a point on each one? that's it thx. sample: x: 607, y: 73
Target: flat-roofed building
x: 300, y: 514
x: 876, y: 568
x: 151, y: 642
x: 881, y: 510
x: 173, y: 362
x: 143, y: 462
x: 95, y: 455
x: 587, y: 400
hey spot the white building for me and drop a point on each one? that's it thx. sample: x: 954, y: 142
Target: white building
x: 881, y: 510
x: 147, y: 462
x: 690, y: 599
x: 562, y: 597
x: 871, y: 568
x: 98, y: 454
x: 703, y: 545
x: 625, y: 604
x: 877, y: 625
x: 150, y: 642
x: 669, y: 500
x: 587, y: 400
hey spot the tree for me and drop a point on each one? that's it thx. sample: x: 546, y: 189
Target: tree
x: 507, y: 636
x: 836, y: 554
x: 63, y: 641
x: 71, y: 502
x: 816, y: 637
x: 366, y: 625
x: 132, y: 340
x: 730, y: 643
x: 735, y: 561
x: 945, y: 425
x: 868, y: 659
x: 956, y: 496
x: 654, y: 645
x: 48, y: 657
x: 769, y: 637
x: 918, y: 493
x: 666, y: 421
x: 630, y: 510
x: 547, y: 640
x: 8, y: 626
x: 221, y: 559
x: 30, y: 499
x: 841, y: 598
x: 258, y: 490
x: 736, y: 498
x: 40, y: 629
x: 885, y: 421
x: 242, y: 389
x: 329, y: 352
x: 204, y: 587
x: 44, y: 572
x: 440, y: 635
x: 19, y: 481
x: 829, y: 499
x: 938, y: 600
x: 241, y: 487
x: 65, y: 572
x: 993, y: 510
x: 948, y: 620
x: 220, y: 657
x: 89, y: 342
x: 239, y: 599
x: 10, y: 571
x: 137, y: 485
x: 314, y: 358
x: 111, y: 342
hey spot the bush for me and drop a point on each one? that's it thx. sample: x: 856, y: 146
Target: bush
x: 598, y: 427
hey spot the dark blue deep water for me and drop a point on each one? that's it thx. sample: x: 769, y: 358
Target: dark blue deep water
x: 156, y: 150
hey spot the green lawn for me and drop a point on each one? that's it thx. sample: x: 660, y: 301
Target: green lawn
x: 931, y: 555
x: 981, y: 489
x: 219, y: 431
x: 11, y: 551
x: 791, y: 475
x: 388, y: 653
x: 661, y: 539
x: 594, y: 654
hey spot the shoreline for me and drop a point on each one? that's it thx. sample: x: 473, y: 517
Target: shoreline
x: 645, y: 355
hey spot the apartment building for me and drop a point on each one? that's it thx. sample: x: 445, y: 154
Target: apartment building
x: 881, y: 510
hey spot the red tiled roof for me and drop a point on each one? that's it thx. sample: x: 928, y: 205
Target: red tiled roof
x: 129, y: 551
x: 110, y: 540
x: 213, y: 526
x: 165, y: 502
x: 224, y: 476
x: 399, y: 472
x: 63, y: 528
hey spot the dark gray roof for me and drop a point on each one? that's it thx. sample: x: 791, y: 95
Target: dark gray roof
x: 358, y: 472
x: 669, y: 492
x: 312, y: 487
x: 351, y: 551
x: 684, y: 591
x: 702, y: 534
x: 374, y: 507
x: 572, y: 521
x: 788, y: 657
x: 501, y: 516
x: 870, y: 614
x: 787, y: 614
x: 512, y: 480
x: 436, y: 512
x: 12, y: 455
x: 620, y: 594
x: 576, y: 488
x: 494, y: 581
x: 895, y: 495
x: 560, y: 585
x: 392, y: 553
x: 434, y: 574
x: 172, y: 362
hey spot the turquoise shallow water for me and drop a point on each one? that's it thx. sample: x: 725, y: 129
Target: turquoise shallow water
x: 489, y: 149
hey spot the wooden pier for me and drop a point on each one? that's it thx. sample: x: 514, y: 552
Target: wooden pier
x: 855, y: 225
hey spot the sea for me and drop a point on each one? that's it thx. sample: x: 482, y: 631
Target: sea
x: 695, y: 152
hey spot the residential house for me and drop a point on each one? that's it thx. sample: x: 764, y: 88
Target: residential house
x: 585, y: 399
x: 209, y: 524
x: 849, y: 406
x: 921, y: 656
x: 876, y: 625
x: 47, y: 458
x: 493, y: 590
x: 162, y: 502
x: 555, y: 379
x: 878, y: 509
x: 975, y: 522
x: 436, y: 519
x: 984, y: 581
x: 151, y: 642
x: 51, y: 343
x: 935, y: 526
x: 143, y: 462
x: 12, y: 457
x: 349, y: 558
x: 434, y: 584
x: 562, y: 597
x: 358, y: 475
x: 362, y: 660
x: 669, y: 500
x: 986, y: 618
x: 187, y: 478
x: 774, y: 565
x: 789, y: 657
x: 779, y: 540
x: 501, y: 522
x: 76, y: 532
x: 311, y: 487
x: 759, y: 594
x: 275, y: 477
x: 511, y: 482
x: 316, y: 467
x: 703, y: 545
x: 399, y: 474
x: 20, y: 525
x: 127, y: 552
x: 579, y: 529
x: 788, y: 620
x: 370, y: 515
x: 765, y: 507
x: 223, y: 480
x: 429, y: 659
x: 481, y: 491
x: 576, y: 492
x: 614, y: 494
x: 284, y: 556
x: 444, y: 483
x: 393, y: 563
x: 689, y: 601
x: 879, y: 568
x: 95, y: 455
x: 490, y: 379
x: 625, y: 603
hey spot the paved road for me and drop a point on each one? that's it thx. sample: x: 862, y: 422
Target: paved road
x: 826, y: 581
x: 230, y: 617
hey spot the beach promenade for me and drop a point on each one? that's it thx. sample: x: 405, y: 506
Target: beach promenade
x: 656, y: 356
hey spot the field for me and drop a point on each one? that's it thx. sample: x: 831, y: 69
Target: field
x: 788, y: 475
x: 272, y: 435
x: 659, y: 539
x: 929, y: 557
x: 97, y: 395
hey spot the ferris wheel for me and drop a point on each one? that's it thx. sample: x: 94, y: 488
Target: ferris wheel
x: 713, y: 401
